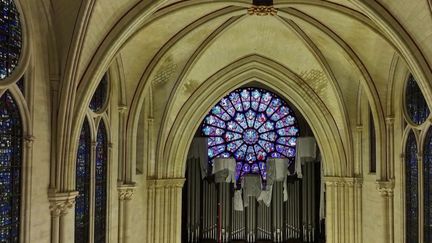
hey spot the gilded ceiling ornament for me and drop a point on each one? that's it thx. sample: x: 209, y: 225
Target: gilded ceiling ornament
x: 262, y: 10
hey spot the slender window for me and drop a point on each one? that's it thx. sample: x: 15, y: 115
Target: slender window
x: 411, y: 190
x: 10, y: 38
x: 100, y: 95
x: 82, y: 205
x: 10, y: 169
x: 251, y: 125
x: 427, y: 187
x: 101, y: 184
x: 372, y: 141
x: 416, y: 106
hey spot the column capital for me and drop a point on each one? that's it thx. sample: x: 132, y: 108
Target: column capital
x: 386, y: 188
x: 166, y: 183
x: 61, y: 202
x: 122, y: 108
x: 390, y: 120
x: 126, y: 191
x: 343, y: 181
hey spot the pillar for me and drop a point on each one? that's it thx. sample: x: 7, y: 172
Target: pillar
x: 60, y: 205
x: 343, y: 209
x: 125, y: 193
x: 386, y: 190
x: 164, y: 216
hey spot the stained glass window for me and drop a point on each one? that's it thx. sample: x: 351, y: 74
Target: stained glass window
x: 100, y: 95
x: 101, y: 184
x: 10, y: 169
x: 416, y: 106
x: 251, y: 125
x: 10, y: 38
x: 427, y: 187
x: 411, y: 190
x: 83, y: 175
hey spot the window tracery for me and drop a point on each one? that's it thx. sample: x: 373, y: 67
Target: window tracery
x: 251, y: 125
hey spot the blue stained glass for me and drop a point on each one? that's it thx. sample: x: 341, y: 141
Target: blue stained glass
x: 215, y: 141
x: 286, y: 121
x: 236, y: 101
x: 245, y: 97
x: 100, y: 96
x: 233, y: 146
x: 260, y: 119
x: 290, y: 141
x: 82, y: 183
x: 215, y: 121
x: 411, y: 190
x: 415, y: 103
x: 239, y: 126
x: 268, y: 126
x: 255, y: 99
x: 234, y: 126
x: 212, y: 131
x: 427, y: 186
x: 227, y: 105
x: 10, y: 167
x: 250, y: 117
x: 221, y: 113
x: 241, y: 119
x: 286, y: 151
x: 274, y: 105
x: 281, y: 112
x: 288, y: 131
x: 231, y: 136
x: 10, y: 38
x: 265, y: 101
x: 269, y: 136
x: 101, y: 184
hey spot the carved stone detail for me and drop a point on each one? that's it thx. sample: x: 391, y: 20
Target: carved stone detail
x: 60, y: 203
x: 386, y: 188
x: 262, y: 10
x: 343, y: 181
x: 126, y: 192
x: 167, y: 183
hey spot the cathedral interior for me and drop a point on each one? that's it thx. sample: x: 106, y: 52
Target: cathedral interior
x: 168, y: 121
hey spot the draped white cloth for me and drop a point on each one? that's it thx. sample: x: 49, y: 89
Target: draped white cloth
x: 306, y: 150
x: 199, y: 150
x: 251, y: 187
x: 266, y: 196
x: 238, y: 200
x: 224, y: 170
x: 277, y: 170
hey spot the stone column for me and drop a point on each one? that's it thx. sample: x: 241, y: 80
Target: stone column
x: 386, y: 189
x: 60, y: 203
x: 164, y: 210
x: 125, y: 193
x: 342, y: 209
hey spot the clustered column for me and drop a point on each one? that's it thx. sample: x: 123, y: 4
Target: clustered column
x: 342, y: 209
x: 60, y: 205
x: 164, y: 210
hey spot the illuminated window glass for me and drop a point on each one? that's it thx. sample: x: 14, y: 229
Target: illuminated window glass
x: 10, y: 38
x: 411, y: 191
x: 416, y: 107
x: 101, y: 184
x: 98, y: 100
x: 251, y: 125
x: 427, y: 187
x: 10, y: 169
x: 82, y: 204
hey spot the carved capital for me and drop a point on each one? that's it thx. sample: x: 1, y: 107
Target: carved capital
x: 343, y: 181
x: 122, y: 108
x: 385, y: 188
x: 28, y: 141
x: 166, y: 183
x: 61, y: 202
x: 126, y: 191
x: 390, y: 120
x: 262, y: 10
